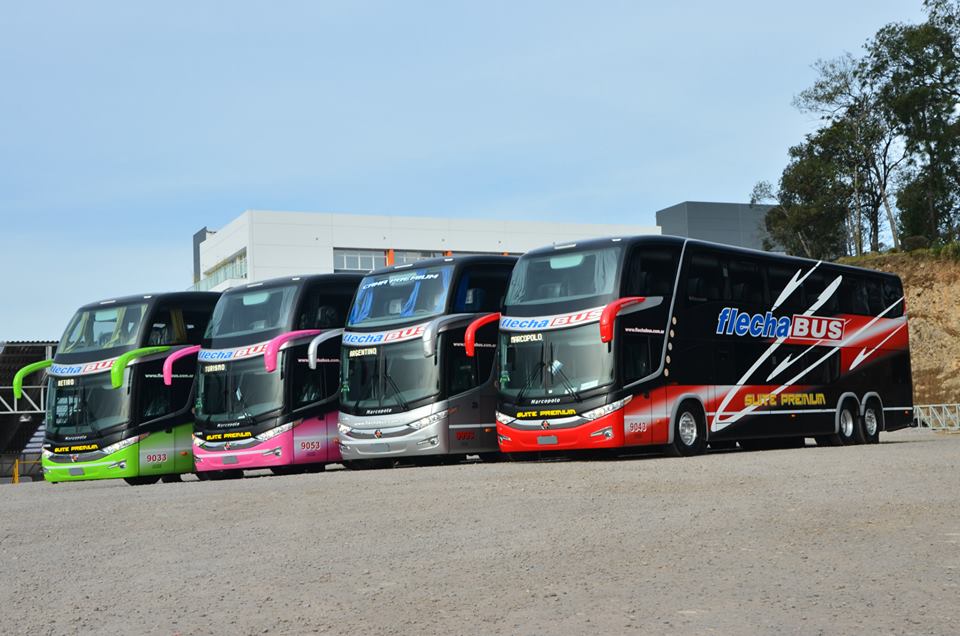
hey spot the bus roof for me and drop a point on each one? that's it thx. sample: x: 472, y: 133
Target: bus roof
x: 304, y: 279
x: 653, y: 240
x: 152, y: 298
x: 467, y: 259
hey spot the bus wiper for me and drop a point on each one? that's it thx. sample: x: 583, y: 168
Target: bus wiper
x: 557, y: 367
x: 536, y: 369
x: 396, y: 390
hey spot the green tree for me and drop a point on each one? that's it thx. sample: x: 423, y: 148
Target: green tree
x: 812, y: 203
x: 870, y: 153
x: 915, y: 72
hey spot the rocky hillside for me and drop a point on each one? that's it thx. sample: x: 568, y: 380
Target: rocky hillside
x: 932, y: 286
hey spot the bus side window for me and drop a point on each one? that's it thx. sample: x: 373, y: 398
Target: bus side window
x: 853, y: 295
x: 874, y: 294
x: 746, y: 283
x: 195, y: 322
x: 481, y: 290
x: 326, y: 311
x: 778, y: 277
x: 312, y: 386
x: 637, y: 358
x: 167, y: 327
x: 155, y: 399
x: 705, y: 279
x: 892, y: 293
x: 462, y: 373
x: 651, y: 272
x: 813, y: 288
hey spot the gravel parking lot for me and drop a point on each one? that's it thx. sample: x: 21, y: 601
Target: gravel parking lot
x: 815, y: 540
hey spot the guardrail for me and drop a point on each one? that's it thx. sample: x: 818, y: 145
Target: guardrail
x: 19, y: 467
x: 937, y: 417
x: 26, y: 404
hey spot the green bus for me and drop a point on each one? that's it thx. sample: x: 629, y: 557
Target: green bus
x: 109, y: 413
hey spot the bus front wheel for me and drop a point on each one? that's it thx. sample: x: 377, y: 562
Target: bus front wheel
x: 689, y: 430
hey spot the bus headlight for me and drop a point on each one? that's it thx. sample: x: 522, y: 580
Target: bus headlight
x: 607, y: 409
x: 429, y: 420
x: 343, y: 429
x: 273, y: 432
x: 503, y: 418
x: 119, y: 446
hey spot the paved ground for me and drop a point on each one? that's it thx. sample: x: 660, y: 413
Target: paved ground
x: 816, y: 540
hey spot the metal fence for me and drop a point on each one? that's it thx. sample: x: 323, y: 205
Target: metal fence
x: 937, y: 417
x: 32, y: 401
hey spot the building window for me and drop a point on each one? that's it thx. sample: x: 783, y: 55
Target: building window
x: 345, y: 260
x: 402, y: 257
x: 233, y: 268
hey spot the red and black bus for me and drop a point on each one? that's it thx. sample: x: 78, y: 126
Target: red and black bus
x: 659, y: 340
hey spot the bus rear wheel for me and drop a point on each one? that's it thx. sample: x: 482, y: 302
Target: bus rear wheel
x: 849, y: 426
x: 689, y: 431
x: 871, y: 422
x: 145, y: 480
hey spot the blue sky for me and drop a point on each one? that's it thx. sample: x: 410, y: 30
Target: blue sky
x: 125, y: 127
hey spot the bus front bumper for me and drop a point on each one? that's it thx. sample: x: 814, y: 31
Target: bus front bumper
x: 603, y: 432
x: 430, y: 440
x: 61, y: 467
x: 277, y: 451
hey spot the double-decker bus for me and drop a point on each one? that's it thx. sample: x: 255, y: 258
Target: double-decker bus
x: 408, y: 388
x: 269, y: 377
x: 675, y: 342
x: 109, y: 412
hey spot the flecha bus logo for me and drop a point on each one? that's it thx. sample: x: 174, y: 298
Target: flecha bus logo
x: 733, y: 322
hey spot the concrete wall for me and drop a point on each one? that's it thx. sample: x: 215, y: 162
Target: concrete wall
x: 291, y: 243
x: 738, y: 224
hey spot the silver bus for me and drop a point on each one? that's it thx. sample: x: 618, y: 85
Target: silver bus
x: 408, y: 390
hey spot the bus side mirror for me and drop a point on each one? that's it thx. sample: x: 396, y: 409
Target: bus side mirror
x: 116, y: 371
x: 319, y: 340
x: 470, y: 337
x: 24, y: 372
x: 273, y: 347
x: 173, y: 357
x: 609, y: 315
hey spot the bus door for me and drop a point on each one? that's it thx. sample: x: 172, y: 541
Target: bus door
x: 472, y: 399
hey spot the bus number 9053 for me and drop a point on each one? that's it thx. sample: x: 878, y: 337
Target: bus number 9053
x: 312, y: 445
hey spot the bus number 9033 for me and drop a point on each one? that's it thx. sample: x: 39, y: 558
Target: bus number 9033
x: 156, y: 458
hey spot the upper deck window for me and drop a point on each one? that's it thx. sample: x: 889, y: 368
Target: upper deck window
x: 564, y: 276
x: 105, y: 327
x: 397, y: 296
x: 252, y: 310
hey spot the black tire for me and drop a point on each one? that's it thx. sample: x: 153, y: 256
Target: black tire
x: 849, y: 423
x: 145, y: 480
x: 172, y: 479
x: 689, y: 431
x: 871, y: 422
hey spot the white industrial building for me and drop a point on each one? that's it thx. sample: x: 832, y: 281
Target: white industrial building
x: 258, y: 245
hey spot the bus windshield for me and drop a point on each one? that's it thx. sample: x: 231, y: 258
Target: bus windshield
x: 85, y: 405
x: 391, y: 376
x: 395, y: 296
x: 102, y: 328
x: 564, y: 276
x: 252, y: 311
x: 241, y: 390
x: 561, y: 362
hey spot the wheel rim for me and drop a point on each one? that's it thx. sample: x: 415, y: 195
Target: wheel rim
x: 687, y: 427
x: 870, y: 422
x: 846, y: 423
